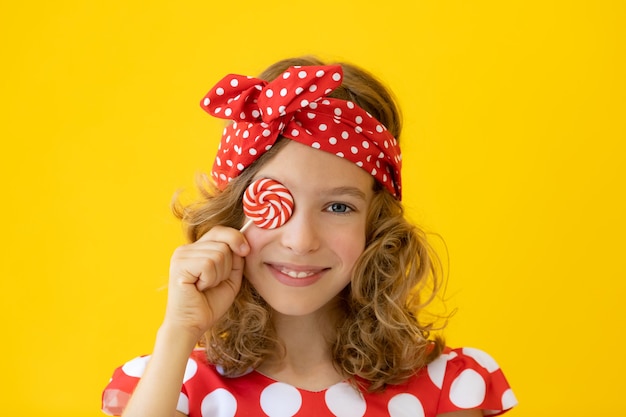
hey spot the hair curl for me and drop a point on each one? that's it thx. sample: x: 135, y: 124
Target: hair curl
x: 379, y: 338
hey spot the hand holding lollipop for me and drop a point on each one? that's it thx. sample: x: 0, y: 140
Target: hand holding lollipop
x: 267, y: 203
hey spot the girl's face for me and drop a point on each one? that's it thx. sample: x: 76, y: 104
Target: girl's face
x: 299, y: 267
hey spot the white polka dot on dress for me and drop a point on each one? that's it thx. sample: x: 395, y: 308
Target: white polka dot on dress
x: 343, y: 400
x: 483, y: 359
x: 219, y: 403
x: 468, y: 389
x: 437, y: 368
x: 190, y: 370
x: 183, y: 404
x: 280, y: 400
x: 508, y: 399
x: 136, y: 367
x: 405, y: 405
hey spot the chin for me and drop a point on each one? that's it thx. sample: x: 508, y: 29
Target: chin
x: 298, y: 307
x: 294, y: 309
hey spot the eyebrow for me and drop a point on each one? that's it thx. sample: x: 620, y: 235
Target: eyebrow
x: 351, y: 191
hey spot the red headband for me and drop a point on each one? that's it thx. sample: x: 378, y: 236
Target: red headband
x: 296, y: 105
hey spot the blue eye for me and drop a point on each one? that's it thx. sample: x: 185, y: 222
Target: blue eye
x: 339, y: 208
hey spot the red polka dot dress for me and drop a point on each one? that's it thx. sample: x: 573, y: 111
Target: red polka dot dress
x: 459, y: 379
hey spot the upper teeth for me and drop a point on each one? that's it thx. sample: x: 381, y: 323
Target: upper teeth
x: 295, y: 274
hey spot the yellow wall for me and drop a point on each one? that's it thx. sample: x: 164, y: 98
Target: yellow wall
x: 514, y: 152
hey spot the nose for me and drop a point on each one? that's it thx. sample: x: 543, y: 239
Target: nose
x: 301, y: 233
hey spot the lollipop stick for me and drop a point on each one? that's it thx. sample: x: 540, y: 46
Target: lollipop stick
x: 245, y: 226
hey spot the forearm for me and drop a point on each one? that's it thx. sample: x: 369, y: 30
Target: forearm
x: 158, y: 390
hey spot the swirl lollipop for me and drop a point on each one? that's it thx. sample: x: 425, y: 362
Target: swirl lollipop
x: 267, y: 203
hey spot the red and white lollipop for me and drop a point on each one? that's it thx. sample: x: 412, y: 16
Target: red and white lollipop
x: 267, y: 203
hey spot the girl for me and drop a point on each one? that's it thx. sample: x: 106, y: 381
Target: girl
x: 321, y: 315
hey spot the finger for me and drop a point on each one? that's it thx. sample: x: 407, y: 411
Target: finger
x: 216, y: 267
x: 204, y: 262
x: 221, y: 297
x: 235, y: 240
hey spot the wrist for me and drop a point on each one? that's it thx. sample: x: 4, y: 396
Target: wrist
x: 173, y: 335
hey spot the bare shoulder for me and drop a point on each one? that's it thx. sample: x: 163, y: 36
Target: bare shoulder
x: 463, y: 413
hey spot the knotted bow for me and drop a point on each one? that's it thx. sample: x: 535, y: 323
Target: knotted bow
x: 296, y: 105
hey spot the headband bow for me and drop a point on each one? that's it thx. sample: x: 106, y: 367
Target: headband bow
x: 296, y: 105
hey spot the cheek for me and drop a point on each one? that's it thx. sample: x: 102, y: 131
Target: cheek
x: 348, y: 245
x: 257, y: 241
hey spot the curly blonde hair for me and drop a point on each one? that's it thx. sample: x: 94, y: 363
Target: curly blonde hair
x: 379, y: 337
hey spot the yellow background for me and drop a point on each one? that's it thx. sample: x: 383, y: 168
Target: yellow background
x: 513, y: 146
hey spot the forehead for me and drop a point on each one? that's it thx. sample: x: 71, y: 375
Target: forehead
x: 299, y: 166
